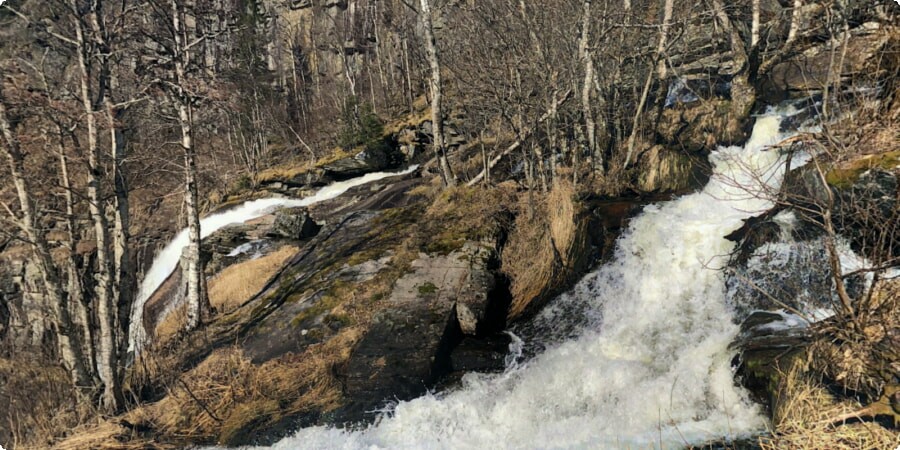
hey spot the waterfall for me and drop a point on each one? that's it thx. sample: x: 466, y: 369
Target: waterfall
x: 650, y: 365
x: 167, y: 259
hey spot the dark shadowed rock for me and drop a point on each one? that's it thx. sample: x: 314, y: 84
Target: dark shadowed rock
x: 369, y: 160
x: 294, y: 223
x: 768, y: 345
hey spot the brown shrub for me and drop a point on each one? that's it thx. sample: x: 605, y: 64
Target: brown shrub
x: 37, y: 403
x: 808, y: 416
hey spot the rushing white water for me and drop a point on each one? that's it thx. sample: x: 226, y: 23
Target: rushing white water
x: 650, y: 369
x: 166, y: 261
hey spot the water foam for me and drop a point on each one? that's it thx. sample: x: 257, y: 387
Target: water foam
x: 651, y: 367
x: 167, y: 259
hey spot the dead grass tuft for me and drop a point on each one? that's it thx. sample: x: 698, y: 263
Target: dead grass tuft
x: 37, y: 404
x: 239, y: 282
x: 227, y: 396
x: 171, y: 325
x: 810, y: 417
x: 542, y: 246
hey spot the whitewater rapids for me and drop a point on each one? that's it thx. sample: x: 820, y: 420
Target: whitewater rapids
x: 651, y: 369
x: 167, y: 259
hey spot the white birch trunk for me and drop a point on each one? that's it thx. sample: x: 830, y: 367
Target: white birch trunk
x: 197, y: 305
x: 107, y: 351
x: 437, y: 112
x: 69, y: 348
x: 590, y: 127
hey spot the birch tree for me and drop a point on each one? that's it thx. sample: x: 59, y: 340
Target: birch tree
x: 70, y: 350
x: 587, y: 58
x: 107, y: 348
x: 437, y: 112
x: 660, y: 72
x: 197, y: 303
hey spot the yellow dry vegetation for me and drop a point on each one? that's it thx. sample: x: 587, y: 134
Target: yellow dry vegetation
x: 284, y: 172
x: 172, y: 324
x: 226, y: 397
x: 38, y: 404
x: 461, y: 214
x: 808, y: 416
x: 543, y: 244
x: 239, y: 282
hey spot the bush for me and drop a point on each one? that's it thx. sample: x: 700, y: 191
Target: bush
x: 362, y: 127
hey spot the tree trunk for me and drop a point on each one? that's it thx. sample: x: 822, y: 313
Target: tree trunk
x: 197, y: 303
x: 80, y: 309
x: 523, y: 135
x: 124, y: 281
x: 754, y: 25
x: 437, y: 113
x: 743, y: 93
x: 661, y: 74
x: 69, y: 347
x: 590, y: 127
x: 107, y: 353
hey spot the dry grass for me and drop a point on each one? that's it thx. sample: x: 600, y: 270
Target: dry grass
x: 808, y: 417
x: 108, y: 435
x: 171, y: 325
x: 542, y: 246
x: 37, y: 404
x: 284, y: 172
x: 236, y: 284
x: 227, y: 396
x: 461, y: 214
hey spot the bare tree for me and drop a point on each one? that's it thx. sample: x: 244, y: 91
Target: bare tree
x: 69, y: 348
x: 437, y: 111
x: 197, y: 303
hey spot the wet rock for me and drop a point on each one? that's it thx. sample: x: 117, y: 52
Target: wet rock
x: 293, y: 311
x: 769, y: 344
x: 703, y: 126
x: 393, y: 192
x: 294, y: 223
x: 486, y: 354
x: 866, y: 211
x: 216, y: 247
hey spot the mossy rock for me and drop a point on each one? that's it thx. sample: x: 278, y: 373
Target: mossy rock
x: 846, y: 175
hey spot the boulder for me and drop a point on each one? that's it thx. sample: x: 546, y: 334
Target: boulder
x: 408, y: 347
x: 666, y: 170
x: 768, y: 345
x: 812, y: 69
x: 703, y: 126
x: 371, y: 159
x: 294, y: 223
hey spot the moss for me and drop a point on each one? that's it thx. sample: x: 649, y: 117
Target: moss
x: 845, y: 176
x: 330, y: 300
x: 427, y: 288
x: 337, y: 321
x: 444, y: 245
